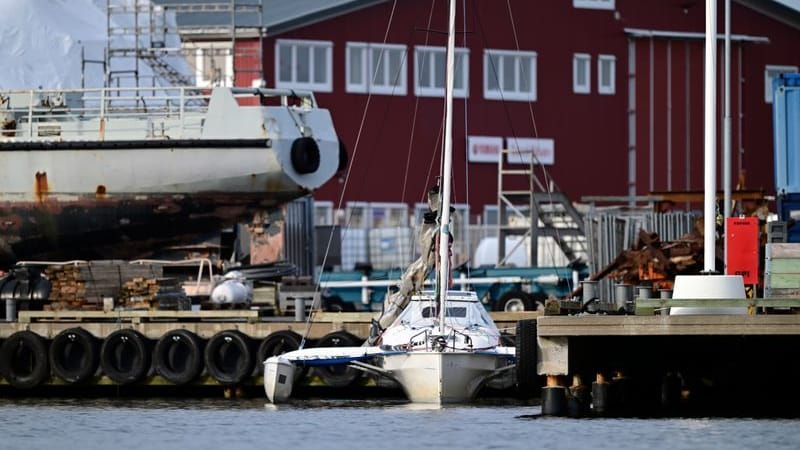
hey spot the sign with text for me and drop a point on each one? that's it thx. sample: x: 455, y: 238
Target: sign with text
x: 743, y: 246
x: 484, y: 148
x: 527, y: 150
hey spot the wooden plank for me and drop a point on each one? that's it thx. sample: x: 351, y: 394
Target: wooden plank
x: 782, y: 280
x: 116, y: 315
x: 732, y: 325
x: 782, y: 250
x: 788, y: 266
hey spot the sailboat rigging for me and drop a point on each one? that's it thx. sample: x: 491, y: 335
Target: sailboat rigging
x: 440, y: 346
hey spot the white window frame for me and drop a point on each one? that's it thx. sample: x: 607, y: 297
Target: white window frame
x: 369, y: 72
x: 585, y: 60
x: 326, y: 86
x: 349, y: 85
x: 500, y: 93
x: 594, y: 4
x: 609, y: 88
x: 427, y: 91
x: 769, y: 75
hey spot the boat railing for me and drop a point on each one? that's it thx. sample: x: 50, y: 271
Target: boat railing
x: 158, y: 112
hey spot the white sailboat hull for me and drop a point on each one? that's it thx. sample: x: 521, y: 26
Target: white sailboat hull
x: 441, y: 377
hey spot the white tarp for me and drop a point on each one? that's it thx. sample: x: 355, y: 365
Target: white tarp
x: 41, y: 42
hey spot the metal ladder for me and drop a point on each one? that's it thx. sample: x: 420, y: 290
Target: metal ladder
x: 535, y: 211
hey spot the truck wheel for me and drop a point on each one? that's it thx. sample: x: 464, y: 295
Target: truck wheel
x: 514, y: 301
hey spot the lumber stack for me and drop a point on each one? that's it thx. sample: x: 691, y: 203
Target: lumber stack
x: 83, y: 286
x: 154, y: 294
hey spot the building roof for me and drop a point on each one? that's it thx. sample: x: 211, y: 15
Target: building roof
x: 277, y: 16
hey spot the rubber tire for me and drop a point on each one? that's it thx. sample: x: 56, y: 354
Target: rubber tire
x: 178, y: 356
x: 516, y: 297
x: 528, y: 381
x: 20, y: 348
x: 344, y: 159
x: 74, y: 355
x: 125, y: 356
x: 277, y: 343
x: 338, y: 376
x: 305, y: 155
x: 229, y: 358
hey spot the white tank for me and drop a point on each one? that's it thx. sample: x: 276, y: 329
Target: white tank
x: 233, y: 290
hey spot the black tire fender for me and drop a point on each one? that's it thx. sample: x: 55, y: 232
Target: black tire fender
x: 125, y: 356
x: 528, y: 381
x: 305, y: 155
x: 338, y: 375
x: 74, y: 355
x: 229, y: 357
x: 178, y: 356
x: 277, y: 343
x: 344, y: 159
x: 23, y: 360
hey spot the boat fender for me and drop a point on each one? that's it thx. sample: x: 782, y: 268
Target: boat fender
x: 343, y: 158
x: 229, y: 358
x: 338, y: 375
x: 276, y: 344
x: 74, y: 355
x: 178, y: 356
x: 305, y: 155
x: 528, y: 381
x: 125, y: 356
x: 23, y: 360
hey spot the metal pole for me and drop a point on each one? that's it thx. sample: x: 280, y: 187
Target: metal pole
x: 444, y: 230
x: 726, y: 131
x: 710, y: 129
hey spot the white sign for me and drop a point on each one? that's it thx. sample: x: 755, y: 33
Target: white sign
x: 527, y: 150
x: 484, y: 148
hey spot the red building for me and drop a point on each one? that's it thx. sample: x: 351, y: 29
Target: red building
x: 609, y: 92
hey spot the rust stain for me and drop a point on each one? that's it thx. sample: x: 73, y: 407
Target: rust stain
x: 100, y: 192
x: 41, y: 187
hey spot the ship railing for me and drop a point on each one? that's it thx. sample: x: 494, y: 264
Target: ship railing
x: 165, y: 112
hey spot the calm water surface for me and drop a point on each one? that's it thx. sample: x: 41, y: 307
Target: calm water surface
x: 357, y: 424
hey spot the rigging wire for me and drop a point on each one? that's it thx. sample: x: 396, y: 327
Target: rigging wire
x: 344, y: 189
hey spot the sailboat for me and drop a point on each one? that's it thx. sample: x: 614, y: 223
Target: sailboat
x: 440, y: 346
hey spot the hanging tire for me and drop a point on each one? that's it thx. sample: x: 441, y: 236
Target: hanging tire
x: 178, y: 356
x: 514, y: 301
x: 125, y: 356
x: 23, y: 360
x: 74, y: 355
x: 305, y: 155
x: 277, y: 343
x: 338, y: 375
x: 528, y: 382
x: 229, y: 358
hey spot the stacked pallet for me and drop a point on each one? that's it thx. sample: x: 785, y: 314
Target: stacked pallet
x: 154, y: 294
x: 85, y: 285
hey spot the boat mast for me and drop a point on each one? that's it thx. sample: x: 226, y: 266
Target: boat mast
x: 447, y: 167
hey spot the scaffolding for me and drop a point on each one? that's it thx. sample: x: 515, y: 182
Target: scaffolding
x: 138, y: 31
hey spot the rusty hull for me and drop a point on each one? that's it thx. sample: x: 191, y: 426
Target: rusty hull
x: 128, y: 226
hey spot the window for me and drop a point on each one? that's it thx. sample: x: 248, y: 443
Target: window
x: 606, y: 74
x: 582, y: 73
x: 429, y: 72
x: 376, y: 68
x: 304, y: 65
x: 509, y: 75
x: 593, y: 4
x: 770, y: 72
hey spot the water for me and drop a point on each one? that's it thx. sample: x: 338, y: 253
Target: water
x: 253, y: 424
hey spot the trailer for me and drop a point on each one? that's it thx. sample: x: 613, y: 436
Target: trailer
x: 507, y: 289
